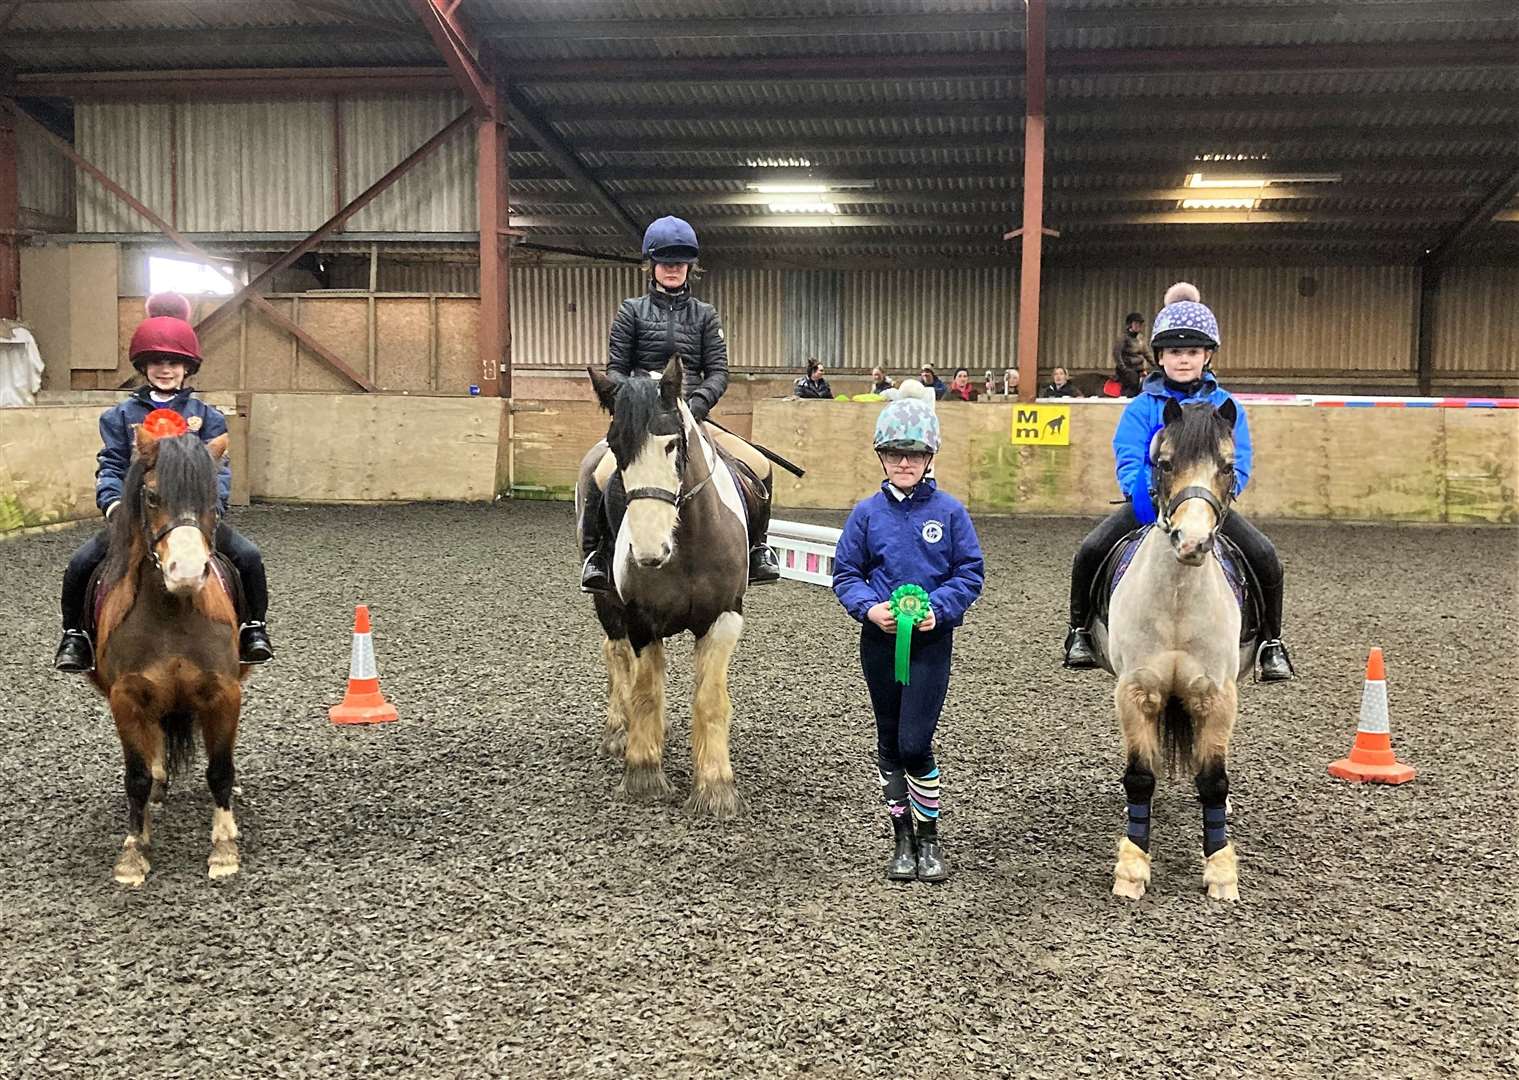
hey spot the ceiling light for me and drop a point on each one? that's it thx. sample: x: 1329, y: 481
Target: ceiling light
x: 803, y: 208
x: 778, y: 163
x: 1197, y: 180
x: 1218, y: 204
x: 790, y: 189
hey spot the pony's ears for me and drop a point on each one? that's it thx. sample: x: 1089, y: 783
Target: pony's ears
x: 217, y: 447
x: 605, y: 387
x: 1172, y: 411
x: 1228, y: 412
x: 670, y: 381
x: 144, y: 444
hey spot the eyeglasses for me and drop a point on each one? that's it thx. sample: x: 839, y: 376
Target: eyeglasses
x: 903, y: 457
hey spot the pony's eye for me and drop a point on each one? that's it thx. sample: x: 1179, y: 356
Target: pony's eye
x: 150, y: 496
x: 1165, y: 466
x: 669, y: 449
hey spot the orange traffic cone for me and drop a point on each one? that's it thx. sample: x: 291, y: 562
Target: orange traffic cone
x: 363, y: 703
x: 1371, y: 759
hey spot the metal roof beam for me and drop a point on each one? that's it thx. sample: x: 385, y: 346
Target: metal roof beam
x: 248, y: 84
x: 1227, y: 59
x: 1480, y: 218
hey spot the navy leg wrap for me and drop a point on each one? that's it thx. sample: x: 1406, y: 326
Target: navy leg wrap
x: 1139, y: 786
x: 1215, y: 829
x: 1139, y: 825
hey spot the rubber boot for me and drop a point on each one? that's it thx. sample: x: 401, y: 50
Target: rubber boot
x: 253, y: 644
x: 931, y: 864
x: 76, y: 653
x: 1079, y: 650
x: 763, y: 568
x: 904, y: 859
x: 594, y: 574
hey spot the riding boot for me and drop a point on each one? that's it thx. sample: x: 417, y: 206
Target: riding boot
x: 253, y: 644
x: 763, y: 567
x: 594, y: 574
x: 904, y: 858
x: 1276, y: 665
x: 931, y: 864
x: 1080, y: 652
x: 76, y: 654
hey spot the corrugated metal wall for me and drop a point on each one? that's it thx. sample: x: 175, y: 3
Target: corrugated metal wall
x: 1271, y: 319
x: 130, y: 144
x: 903, y: 319
x: 812, y: 315
x: 1477, y: 320
x: 561, y: 315
x: 45, y: 180
x: 271, y: 166
x: 439, y: 194
x: 749, y: 302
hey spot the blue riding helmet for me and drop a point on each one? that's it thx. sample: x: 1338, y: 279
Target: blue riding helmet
x: 670, y: 240
x: 1185, y: 321
x: 907, y: 424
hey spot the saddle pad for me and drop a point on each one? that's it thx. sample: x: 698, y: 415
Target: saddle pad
x: 221, y: 568
x: 1223, y: 551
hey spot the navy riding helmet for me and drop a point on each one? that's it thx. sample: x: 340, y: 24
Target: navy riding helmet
x: 670, y: 240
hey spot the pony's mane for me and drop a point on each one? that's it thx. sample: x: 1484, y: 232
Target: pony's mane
x: 186, y: 484
x: 1199, y: 435
x: 636, y: 412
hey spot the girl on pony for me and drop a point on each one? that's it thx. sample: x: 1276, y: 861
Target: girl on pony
x: 908, y: 533
x: 166, y: 352
x: 667, y: 320
x: 1184, y: 337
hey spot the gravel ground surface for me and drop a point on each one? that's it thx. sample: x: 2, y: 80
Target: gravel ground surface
x: 460, y: 894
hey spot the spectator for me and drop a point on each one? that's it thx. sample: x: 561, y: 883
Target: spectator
x: 962, y: 388
x: 1131, y: 356
x: 1061, y: 385
x: 933, y: 382
x: 879, y: 382
x: 813, y: 385
x: 1010, y: 382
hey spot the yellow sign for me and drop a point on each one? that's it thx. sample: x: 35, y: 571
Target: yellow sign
x: 1042, y: 425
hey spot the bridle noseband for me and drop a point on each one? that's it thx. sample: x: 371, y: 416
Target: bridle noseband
x: 1195, y: 491
x: 178, y: 522
x: 681, y: 495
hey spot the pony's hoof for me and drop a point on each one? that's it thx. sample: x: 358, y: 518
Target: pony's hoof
x: 645, y: 784
x: 225, y: 860
x: 1131, y: 875
x: 131, y: 868
x: 719, y: 799
x: 1221, y: 874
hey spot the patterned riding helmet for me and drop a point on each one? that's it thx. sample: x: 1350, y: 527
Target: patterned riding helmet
x: 1185, y: 322
x: 907, y: 424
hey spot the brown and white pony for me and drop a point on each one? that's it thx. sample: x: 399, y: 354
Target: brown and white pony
x: 1172, y: 637
x: 680, y: 563
x: 167, y: 659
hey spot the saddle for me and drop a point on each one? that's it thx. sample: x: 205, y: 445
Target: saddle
x: 1237, y: 572
x: 221, y: 568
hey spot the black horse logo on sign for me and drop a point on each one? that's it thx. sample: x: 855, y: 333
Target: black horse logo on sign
x: 1055, y: 425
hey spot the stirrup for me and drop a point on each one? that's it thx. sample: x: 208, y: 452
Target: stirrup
x: 1079, y: 653
x: 253, y: 644
x: 594, y: 579
x: 763, y: 567
x: 1260, y: 653
x: 76, y: 653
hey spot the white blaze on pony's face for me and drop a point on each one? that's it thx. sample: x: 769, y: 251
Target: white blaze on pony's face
x: 177, y: 510
x: 650, y: 430
x: 1195, y: 451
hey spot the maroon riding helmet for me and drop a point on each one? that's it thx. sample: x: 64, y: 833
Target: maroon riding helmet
x: 166, y: 331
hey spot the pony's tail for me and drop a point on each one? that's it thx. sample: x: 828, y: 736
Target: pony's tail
x: 179, y: 742
x: 1176, y: 735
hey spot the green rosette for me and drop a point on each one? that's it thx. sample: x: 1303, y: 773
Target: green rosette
x: 909, y: 606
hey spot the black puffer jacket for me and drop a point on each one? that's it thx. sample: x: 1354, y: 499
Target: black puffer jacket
x: 649, y: 328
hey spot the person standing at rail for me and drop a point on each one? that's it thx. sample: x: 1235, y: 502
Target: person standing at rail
x: 1185, y: 337
x: 646, y: 332
x: 908, y: 533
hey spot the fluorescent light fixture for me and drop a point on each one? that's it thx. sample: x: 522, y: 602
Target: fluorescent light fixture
x: 790, y: 189
x: 1198, y: 180
x: 778, y: 163
x: 1218, y: 204
x: 803, y: 208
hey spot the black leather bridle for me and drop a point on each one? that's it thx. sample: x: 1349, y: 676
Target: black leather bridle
x: 1195, y: 491
x: 682, y: 495
x: 154, y: 539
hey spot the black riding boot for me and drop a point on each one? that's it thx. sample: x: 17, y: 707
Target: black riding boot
x: 904, y: 858
x: 1276, y: 665
x: 253, y: 644
x: 594, y: 575
x: 931, y: 864
x: 763, y: 568
x: 1079, y: 650
x: 75, y: 652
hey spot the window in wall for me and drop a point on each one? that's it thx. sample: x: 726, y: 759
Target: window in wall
x: 190, y: 278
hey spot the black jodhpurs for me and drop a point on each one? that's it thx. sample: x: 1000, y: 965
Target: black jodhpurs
x: 906, y: 716
x: 231, y: 543
x: 1256, y: 546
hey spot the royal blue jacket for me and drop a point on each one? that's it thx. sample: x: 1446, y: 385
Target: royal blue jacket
x: 117, y: 439
x: 926, y: 539
x: 1142, y: 419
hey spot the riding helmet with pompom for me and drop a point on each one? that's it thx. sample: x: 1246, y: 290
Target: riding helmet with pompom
x: 907, y: 424
x: 1185, y: 321
x: 166, y: 331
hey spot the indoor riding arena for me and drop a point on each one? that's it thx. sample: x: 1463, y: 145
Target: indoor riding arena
x: 406, y: 228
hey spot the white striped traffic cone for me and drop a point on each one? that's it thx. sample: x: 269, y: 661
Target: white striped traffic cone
x: 363, y: 703
x: 1371, y: 759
